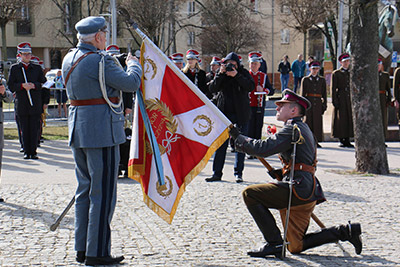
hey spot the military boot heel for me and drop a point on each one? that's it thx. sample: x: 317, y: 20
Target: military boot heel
x: 355, y: 236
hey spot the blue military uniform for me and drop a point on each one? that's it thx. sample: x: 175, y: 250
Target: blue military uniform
x: 95, y: 132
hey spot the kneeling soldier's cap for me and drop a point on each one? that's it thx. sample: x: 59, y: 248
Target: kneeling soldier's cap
x: 24, y: 47
x: 112, y: 49
x: 344, y: 57
x: 315, y: 64
x: 290, y: 96
x: 91, y: 25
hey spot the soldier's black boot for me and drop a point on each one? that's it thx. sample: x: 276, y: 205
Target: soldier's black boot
x: 267, y: 225
x: 81, y: 256
x: 350, y: 232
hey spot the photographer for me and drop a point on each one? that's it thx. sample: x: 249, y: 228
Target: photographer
x: 232, y: 84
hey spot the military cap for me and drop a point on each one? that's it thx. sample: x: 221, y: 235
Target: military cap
x: 112, y: 49
x: 177, y: 58
x: 35, y: 60
x: 90, y: 25
x: 255, y: 56
x: 192, y: 54
x: 24, y: 47
x: 215, y: 61
x: 344, y: 57
x: 315, y: 64
x: 290, y: 96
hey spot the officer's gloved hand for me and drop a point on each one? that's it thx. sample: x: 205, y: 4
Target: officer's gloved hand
x: 234, y: 132
x: 276, y: 174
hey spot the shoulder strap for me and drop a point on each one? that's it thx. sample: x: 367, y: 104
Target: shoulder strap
x: 75, y: 64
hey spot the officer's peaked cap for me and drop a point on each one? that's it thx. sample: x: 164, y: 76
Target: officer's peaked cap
x: 290, y: 96
x: 90, y: 25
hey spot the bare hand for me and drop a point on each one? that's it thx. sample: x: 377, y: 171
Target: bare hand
x: 232, y: 73
x: 222, y: 69
x: 2, y: 89
x: 128, y: 111
x: 131, y: 57
x: 28, y: 86
x: 397, y: 105
x: 259, y: 88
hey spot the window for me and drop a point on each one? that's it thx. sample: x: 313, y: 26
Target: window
x: 285, y: 36
x: 254, y: 5
x: 67, y: 19
x: 191, y: 8
x: 24, y: 25
x: 191, y: 38
x: 285, y: 9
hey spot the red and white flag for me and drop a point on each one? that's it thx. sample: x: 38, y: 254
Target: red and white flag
x: 187, y: 126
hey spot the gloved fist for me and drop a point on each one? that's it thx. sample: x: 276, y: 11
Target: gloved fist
x: 276, y: 174
x: 234, y: 132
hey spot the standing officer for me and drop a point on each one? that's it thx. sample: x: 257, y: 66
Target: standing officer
x: 94, y: 82
x: 26, y: 80
x: 385, y: 96
x: 396, y: 91
x: 313, y: 87
x: 257, y: 96
x: 6, y: 96
x: 342, y: 122
x: 307, y: 191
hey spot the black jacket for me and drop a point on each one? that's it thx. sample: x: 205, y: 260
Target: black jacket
x: 200, y: 80
x: 235, y: 88
x: 34, y: 74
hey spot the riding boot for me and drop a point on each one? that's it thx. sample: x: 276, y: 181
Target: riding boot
x: 267, y: 225
x: 350, y: 232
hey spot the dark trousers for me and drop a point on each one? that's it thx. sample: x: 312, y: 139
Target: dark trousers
x: 30, y: 130
x: 256, y: 122
x: 220, y: 154
x: 297, y: 83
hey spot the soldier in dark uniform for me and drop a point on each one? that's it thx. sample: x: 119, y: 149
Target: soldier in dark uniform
x: 177, y: 58
x: 25, y: 80
x: 313, y: 87
x: 307, y: 191
x: 342, y: 122
x: 214, y: 67
x: 385, y: 95
x: 396, y: 90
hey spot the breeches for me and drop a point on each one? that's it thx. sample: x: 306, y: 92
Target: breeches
x: 96, y: 171
x: 277, y: 197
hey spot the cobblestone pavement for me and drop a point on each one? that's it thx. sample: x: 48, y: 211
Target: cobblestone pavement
x: 211, y: 227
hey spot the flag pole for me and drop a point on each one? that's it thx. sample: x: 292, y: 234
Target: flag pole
x: 176, y: 70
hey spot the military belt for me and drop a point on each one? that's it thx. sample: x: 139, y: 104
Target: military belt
x: 314, y: 95
x: 94, y: 101
x: 299, y: 167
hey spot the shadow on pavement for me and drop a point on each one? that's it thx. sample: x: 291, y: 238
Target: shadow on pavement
x: 343, y: 197
x: 47, y: 218
x: 362, y: 260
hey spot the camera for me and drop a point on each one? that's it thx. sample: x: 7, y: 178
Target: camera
x: 229, y: 67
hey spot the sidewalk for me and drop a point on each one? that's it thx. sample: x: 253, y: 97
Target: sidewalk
x: 211, y: 227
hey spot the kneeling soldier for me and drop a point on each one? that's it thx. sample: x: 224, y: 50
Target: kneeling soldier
x: 307, y: 191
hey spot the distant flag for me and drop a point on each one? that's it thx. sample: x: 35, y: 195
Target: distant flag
x: 187, y: 126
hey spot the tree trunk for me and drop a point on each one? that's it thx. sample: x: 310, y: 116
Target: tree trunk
x: 370, y: 149
x: 4, y: 49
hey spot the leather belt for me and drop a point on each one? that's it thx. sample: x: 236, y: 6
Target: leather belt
x: 314, y: 95
x: 299, y: 167
x: 95, y: 101
x: 382, y: 92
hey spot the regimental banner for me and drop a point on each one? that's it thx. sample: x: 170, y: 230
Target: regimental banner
x: 187, y: 126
